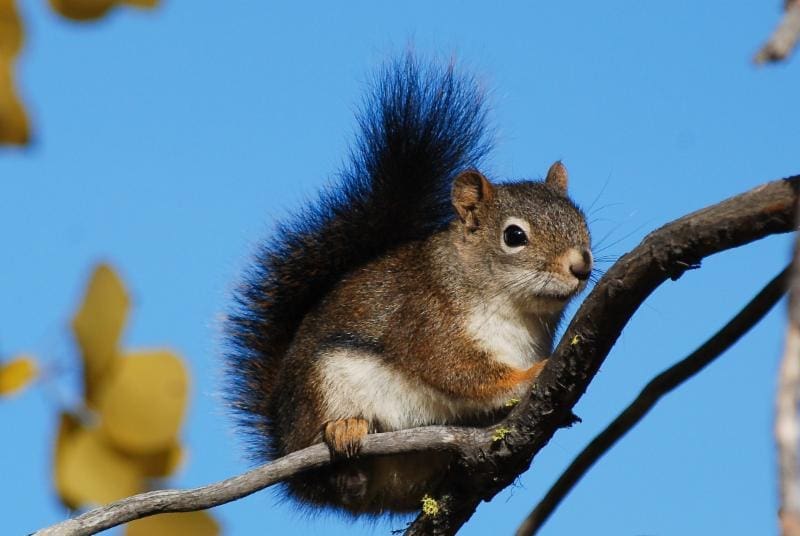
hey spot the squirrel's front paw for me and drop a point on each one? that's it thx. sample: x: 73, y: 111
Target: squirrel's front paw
x: 343, y: 436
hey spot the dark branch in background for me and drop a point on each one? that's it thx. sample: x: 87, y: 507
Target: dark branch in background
x: 787, y: 420
x: 659, y: 386
x: 666, y: 253
x: 784, y: 38
x: 490, y: 459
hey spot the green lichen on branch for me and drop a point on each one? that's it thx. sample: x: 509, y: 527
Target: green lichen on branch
x: 500, y: 433
x: 430, y: 506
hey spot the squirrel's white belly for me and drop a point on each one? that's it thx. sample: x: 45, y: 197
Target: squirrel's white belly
x: 358, y: 383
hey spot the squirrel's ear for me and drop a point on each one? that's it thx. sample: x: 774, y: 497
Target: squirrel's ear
x: 470, y: 189
x: 557, y: 177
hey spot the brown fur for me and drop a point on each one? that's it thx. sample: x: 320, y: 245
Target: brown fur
x: 409, y: 310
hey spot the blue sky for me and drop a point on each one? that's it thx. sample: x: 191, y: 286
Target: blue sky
x: 168, y: 143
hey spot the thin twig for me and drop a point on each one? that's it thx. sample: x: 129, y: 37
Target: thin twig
x: 787, y: 420
x: 147, y: 504
x: 784, y: 38
x: 658, y: 387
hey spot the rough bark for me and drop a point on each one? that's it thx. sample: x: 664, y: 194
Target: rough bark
x: 664, y: 254
x: 655, y: 389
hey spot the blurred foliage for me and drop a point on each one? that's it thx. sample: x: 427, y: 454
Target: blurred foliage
x: 14, y: 123
x: 16, y: 374
x: 194, y: 523
x: 143, y: 403
x: 85, y: 10
x: 128, y: 432
x: 98, y: 327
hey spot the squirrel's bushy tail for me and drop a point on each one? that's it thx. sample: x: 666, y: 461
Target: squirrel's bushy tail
x: 420, y: 127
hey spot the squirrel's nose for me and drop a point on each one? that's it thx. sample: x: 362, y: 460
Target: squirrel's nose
x: 581, y: 263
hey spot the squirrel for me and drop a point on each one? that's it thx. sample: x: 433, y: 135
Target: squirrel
x: 415, y: 291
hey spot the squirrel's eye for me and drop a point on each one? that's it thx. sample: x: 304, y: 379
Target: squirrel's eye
x: 514, y: 236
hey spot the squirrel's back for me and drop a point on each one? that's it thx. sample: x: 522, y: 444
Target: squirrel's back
x: 421, y: 127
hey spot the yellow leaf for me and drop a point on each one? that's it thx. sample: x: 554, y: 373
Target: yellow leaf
x: 141, y: 3
x: 14, y: 127
x: 82, y: 9
x: 88, y: 470
x: 143, y: 406
x: 159, y: 464
x: 85, y: 10
x: 194, y: 523
x: 16, y: 374
x: 68, y: 426
x: 10, y: 29
x: 98, y: 327
x: 13, y: 121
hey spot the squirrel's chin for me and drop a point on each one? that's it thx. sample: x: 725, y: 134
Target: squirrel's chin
x: 548, y: 303
x: 557, y: 292
x: 554, y: 298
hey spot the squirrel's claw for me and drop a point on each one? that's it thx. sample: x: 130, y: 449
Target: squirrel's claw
x: 343, y: 436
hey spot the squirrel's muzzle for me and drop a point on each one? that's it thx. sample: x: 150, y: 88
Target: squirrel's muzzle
x: 580, y: 263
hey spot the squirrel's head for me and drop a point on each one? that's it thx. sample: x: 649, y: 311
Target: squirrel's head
x: 528, y: 236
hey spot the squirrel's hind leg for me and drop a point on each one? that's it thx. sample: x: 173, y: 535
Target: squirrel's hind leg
x: 351, y: 481
x: 343, y: 436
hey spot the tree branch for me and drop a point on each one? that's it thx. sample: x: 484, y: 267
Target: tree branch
x: 485, y: 463
x: 658, y: 387
x: 784, y: 38
x: 459, y: 440
x: 666, y: 253
x: 787, y: 420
